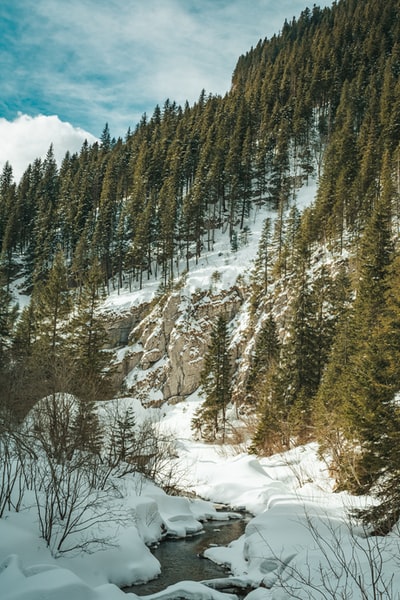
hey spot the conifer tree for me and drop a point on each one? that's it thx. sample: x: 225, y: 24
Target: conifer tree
x: 216, y: 383
x: 45, y: 227
x: 350, y: 383
x: 6, y: 191
x: 86, y: 431
x: 125, y: 444
x: 41, y: 333
x: 8, y: 316
x: 266, y: 355
x: 104, y: 232
x: 53, y: 306
x: 86, y: 339
x: 261, y: 270
x: 298, y: 357
x: 379, y: 377
x: 105, y: 138
x: 9, y: 221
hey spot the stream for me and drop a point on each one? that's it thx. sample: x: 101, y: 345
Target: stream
x: 179, y: 557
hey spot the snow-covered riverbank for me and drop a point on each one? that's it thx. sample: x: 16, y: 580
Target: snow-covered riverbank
x: 298, y: 538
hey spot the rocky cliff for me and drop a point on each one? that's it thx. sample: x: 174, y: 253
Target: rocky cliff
x: 163, y: 343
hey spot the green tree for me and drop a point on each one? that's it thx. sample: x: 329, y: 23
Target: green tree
x: 45, y: 226
x: 53, y: 306
x: 8, y: 316
x: 298, y: 359
x: 266, y: 356
x: 86, y: 338
x: 9, y: 226
x: 379, y: 381
x: 40, y: 337
x: 216, y: 383
x: 350, y: 391
x: 86, y: 430
x: 262, y: 266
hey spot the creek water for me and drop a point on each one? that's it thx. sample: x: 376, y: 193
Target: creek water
x: 180, y: 560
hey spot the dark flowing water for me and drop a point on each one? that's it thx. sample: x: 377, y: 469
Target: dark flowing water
x: 179, y: 557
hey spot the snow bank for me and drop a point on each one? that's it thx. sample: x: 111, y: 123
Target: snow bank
x: 298, y: 537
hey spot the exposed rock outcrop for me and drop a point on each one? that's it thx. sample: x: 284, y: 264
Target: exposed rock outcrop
x: 166, y: 347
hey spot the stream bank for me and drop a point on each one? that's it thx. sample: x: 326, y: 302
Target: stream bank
x: 181, y: 559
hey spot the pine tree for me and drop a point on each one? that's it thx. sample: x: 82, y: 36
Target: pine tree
x: 86, y: 431
x: 53, y: 306
x: 7, y: 189
x: 43, y: 327
x: 298, y: 360
x: 266, y: 355
x: 8, y: 316
x: 85, y: 341
x: 105, y: 139
x: 261, y: 270
x: 216, y: 383
x: 9, y: 217
x: 125, y: 444
x: 379, y: 378
x: 104, y: 232
x: 350, y: 386
x: 45, y: 227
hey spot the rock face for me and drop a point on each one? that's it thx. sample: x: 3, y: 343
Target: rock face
x: 167, y: 342
x: 120, y: 325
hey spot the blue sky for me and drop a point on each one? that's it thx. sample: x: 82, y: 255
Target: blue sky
x: 89, y: 62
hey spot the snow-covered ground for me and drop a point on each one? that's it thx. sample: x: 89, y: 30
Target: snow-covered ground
x: 221, y: 259
x: 300, y: 543
x: 299, y: 539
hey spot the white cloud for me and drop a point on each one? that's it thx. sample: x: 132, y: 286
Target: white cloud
x: 97, y: 61
x: 109, y: 61
x: 26, y: 138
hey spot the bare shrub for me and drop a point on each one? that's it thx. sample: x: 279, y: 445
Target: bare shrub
x: 68, y: 504
x: 352, y: 565
x: 12, y: 475
x: 71, y: 459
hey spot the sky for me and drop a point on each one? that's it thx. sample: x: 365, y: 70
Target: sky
x: 68, y: 67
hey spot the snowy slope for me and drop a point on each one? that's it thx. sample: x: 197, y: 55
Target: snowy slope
x: 229, y: 264
x: 300, y: 542
x: 169, y: 334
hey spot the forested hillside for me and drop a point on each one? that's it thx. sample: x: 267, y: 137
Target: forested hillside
x: 320, y: 100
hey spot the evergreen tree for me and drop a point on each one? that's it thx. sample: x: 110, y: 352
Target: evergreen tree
x: 350, y: 383
x: 45, y: 227
x: 6, y: 191
x: 105, y: 228
x: 105, y: 138
x: 261, y: 270
x: 86, y: 339
x: 86, y: 431
x: 379, y: 380
x: 266, y: 356
x: 42, y: 330
x: 298, y: 360
x: 9, y: 226
x: 8, y: 316
x: 216, y: 383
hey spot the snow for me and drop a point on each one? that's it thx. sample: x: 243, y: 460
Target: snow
x: 216, y: 269
x: 300, y: 537
x: 299, y: 527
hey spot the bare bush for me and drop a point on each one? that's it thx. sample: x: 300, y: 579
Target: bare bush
x: 12, y: 476
x: 71, y: 460
x: 351, y: 564
x: 68, y: 505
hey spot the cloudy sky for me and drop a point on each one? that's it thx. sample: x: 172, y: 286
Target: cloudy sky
x: 70, y: 66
